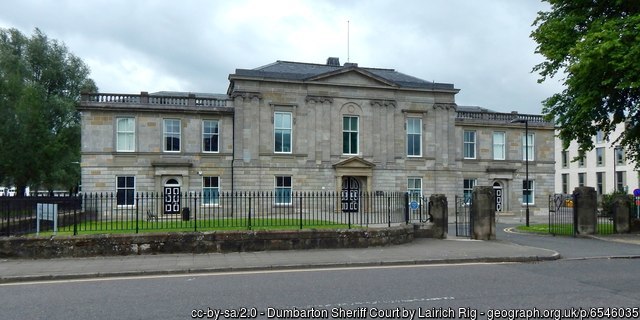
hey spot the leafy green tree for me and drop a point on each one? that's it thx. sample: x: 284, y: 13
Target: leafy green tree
x: 40, y: 83
x: 595, y: 46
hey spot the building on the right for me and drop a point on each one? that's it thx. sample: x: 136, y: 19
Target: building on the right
x: 605, y: 167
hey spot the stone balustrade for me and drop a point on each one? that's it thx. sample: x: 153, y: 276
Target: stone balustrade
x: 496, y: 116
x: 146, y: 98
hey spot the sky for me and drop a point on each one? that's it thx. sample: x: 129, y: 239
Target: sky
x: 482, y: 47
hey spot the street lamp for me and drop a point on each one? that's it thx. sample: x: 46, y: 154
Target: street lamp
x: 526, y: 165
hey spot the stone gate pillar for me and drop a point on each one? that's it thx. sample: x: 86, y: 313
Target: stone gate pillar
x: 439, y: 211
x: 586, y: 207
x: 483, y: 210
x: 621, y: 213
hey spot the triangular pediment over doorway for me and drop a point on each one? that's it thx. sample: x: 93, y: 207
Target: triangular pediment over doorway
x: 354, y: 162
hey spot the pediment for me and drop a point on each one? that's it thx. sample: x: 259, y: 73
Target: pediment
x: 352, y: 77
x: 354, y: 162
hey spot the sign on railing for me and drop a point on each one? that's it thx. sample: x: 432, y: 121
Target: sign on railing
x: 49, y: 212
x: 636, y: 193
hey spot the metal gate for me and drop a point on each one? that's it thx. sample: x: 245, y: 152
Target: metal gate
x: 562, y: 217
x: 464, y: 223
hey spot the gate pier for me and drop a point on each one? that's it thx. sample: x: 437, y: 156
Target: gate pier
x: 483, y: 211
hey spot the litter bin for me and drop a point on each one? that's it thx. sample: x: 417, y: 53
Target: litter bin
x: 186, y: 213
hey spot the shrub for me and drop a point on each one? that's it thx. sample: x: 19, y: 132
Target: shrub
x: 607, y: 201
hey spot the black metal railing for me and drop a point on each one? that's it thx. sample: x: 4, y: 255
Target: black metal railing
x: 562, y: 218
x: 463, y: 221
x: 191, y: 211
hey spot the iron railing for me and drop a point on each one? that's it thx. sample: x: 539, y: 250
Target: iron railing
x: 562, y: 218
x: 464, y: 222
x: 191, y: 211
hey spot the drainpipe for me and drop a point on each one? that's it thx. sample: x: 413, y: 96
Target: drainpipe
x: 233, y: 146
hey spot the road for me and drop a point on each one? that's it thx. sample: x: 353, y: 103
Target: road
x: 569, y: 247
x: 588, y: 277
x: 479, y: 287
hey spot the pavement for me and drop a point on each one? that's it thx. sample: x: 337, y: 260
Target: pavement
x: 420, y: 251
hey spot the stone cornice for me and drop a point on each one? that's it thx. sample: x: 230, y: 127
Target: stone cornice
x: 318, y: 99
x: 383, y: 103
x: 245, y: 95
x: 444, y: 106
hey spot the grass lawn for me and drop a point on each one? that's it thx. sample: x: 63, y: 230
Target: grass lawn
x: 129, y: 227
x: 561, y: 229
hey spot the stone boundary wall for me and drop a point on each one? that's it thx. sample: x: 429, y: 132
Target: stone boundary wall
x: 202, y: 242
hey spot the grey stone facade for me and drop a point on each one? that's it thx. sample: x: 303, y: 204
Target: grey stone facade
x: 317, y: 98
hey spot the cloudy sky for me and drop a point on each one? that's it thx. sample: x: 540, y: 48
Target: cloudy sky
x: 482, y: 47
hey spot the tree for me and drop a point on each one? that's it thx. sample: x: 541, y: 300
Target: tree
x: 40, y: 83
x: 595, y: 45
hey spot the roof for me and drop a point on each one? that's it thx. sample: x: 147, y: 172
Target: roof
x: 287, y: 70
x: 474, y: 109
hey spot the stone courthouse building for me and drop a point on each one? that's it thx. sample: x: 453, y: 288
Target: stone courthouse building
x: 291, y: 126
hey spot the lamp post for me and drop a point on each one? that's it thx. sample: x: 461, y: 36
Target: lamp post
x: 526, y: 163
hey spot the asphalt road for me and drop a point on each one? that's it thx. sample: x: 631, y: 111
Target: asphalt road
x: 569, y: 247
x: 476, y: 288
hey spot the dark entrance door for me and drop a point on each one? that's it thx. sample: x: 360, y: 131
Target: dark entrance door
x: 350, y: 194
x: 172, y: 197
x: 497, y: 188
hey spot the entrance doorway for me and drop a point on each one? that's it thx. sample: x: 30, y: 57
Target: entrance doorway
x: 350, y: 194
x: 499, y: 196
x: 172, y: 197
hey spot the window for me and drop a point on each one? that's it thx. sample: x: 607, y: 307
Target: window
x: 126, y: 134
x: 210, y: 135
x: 350, y: 135
x: 283, y: 190
x: 565, y: 158
x: 600, y: 156
x: 620, y: 183
x: 581, y: 161
x: 599, y: 182
x: 599, y: 136
x: 528, y: 143
x: 582, y: 178
x: 469, y: 142
x: 467, y: 189
x: 565, y: 183
x: 210, y: 190
x: 282, y: 132
x: 619, y: 152
x: 528, y: 192
x: 498, y: 146
x: 125, y: 189
x: 414, y: 187
x: 171, y: 135
x: 414, y: 137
